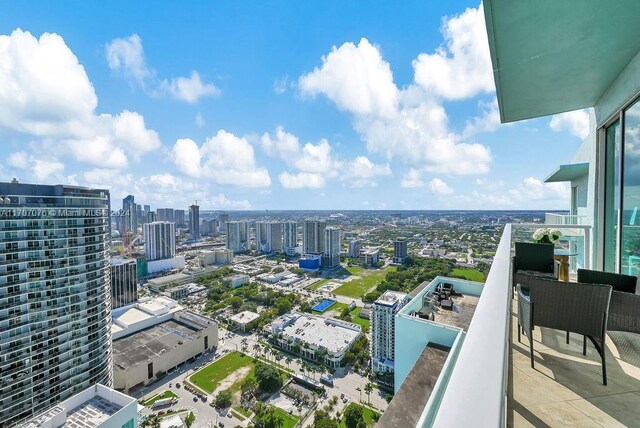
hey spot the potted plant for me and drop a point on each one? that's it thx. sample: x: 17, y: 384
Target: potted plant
x: 547, y: 236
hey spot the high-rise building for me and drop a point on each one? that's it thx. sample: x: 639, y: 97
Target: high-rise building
x: 223, y: 218
x: 354, y: 248
x: 238, y: 236
x: 399, y: 250
x: 290, y: 237
x: 383, y: 329
x: 269, y: 236
x: 54, y: 296
x: 146, y: 209
x: 179, y: 217
x: 194, y: 221
x: 124, y: 282
x: 331, y: 253
x: 165, y: 214
x: 159, y: 240
x: 129, y: 213
x: 151, y: 217
x: 209, y: 227
x: 313, y: 236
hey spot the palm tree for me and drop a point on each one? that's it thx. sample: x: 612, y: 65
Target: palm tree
x: 288, y: 361
x: 368, y: 388
x: 256, y: 347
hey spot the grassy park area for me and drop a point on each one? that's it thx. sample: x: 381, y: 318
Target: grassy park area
x: 368, y: 415
x: 368, y: 278
x: 210, y: 376
x: 470, y: 274
x: 289, y: 421
x: 365, y: 324
x: 163, y: 395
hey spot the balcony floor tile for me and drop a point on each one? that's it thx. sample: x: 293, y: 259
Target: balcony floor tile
x: 565, y: 387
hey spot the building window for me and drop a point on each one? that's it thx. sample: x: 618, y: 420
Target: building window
x: 149, y: 370
x: 622, y: 193
x: 630, y: 221
x: 129, y: 424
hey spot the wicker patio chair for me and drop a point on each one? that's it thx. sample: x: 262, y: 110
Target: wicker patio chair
x: 533, y: 260
x: 624, y: 310
x: 572, y: 307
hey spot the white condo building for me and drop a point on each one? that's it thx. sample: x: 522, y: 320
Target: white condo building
x: 313, y: 236
x: 269, y: 236
x: 238, y: 233
x: 54, y: 296
x: 290, y: 238
x: 159, y: 240
x: 383, y: 330
x: 331, y: 253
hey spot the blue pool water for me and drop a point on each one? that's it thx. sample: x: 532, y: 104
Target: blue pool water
x: 324, y: 305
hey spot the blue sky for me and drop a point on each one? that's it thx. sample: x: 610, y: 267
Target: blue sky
x: 270, y: 105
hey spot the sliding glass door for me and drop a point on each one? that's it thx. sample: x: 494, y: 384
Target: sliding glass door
x: 613, y: 147
x: 630, y: 244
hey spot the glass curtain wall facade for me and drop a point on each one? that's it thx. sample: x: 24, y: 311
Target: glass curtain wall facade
x: 55, y: 305
x: 622, y: 192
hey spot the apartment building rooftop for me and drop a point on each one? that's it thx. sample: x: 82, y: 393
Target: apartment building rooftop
x: 94, y: 407
x: 334, y: 335
x: 156, y: 340
x: 390, y: 297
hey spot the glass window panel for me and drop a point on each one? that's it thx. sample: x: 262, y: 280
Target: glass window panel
x: 612, y: 199
x: 630, y: 248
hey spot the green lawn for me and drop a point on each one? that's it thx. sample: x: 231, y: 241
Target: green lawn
x: 369, y: 278
x: 242, y: 411
x: 318, y: 284
x: 365, y: 324
x: 289, y: 420
x: 337, y: 306
x: 238, y: 415
x: 165, y: 394
x: 210, y: 376
x: 470, y: 274
x: 368, y: 417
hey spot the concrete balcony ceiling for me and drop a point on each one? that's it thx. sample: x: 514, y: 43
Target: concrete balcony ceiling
x: 553, y: 56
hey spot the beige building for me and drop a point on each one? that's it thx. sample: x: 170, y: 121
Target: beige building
x: 176, y: 337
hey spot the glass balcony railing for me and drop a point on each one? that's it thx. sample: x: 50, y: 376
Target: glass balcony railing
x: 564, y: 219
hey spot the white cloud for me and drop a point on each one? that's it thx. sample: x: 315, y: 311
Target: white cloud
x: 576, y: 122
x: 461, y: 68
x: 412, y: 179
x: 301, y: 180
x: 280, y: 85
x: 411, y: 124
x: 487, y: 121
x: 189, y: 89
x: 313, y: 163
x: 283, y: 144
x: 18, y: 160
x: 39, y: 169
x: 356, y: 78
x: 316, y: 158
x: 225, y: 158
x: 46, y: 93
x: 126, y: 55
x: 361, y: 172
x: 200, y: 122
x: 438, y: 186
x: 530, y: 193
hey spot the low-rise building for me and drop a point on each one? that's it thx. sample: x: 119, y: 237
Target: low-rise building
x: 369, y: 256
x: 242, y: 319
x: 96, y: 406
x: 154, y: 266
x: 324, y: 339
x: 216, y: 257
x: 237, y: 280
x: 310, y: 262
x: 160, y: 284
x: 153, y: 337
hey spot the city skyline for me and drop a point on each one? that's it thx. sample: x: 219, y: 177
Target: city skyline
x: 244, y: 116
